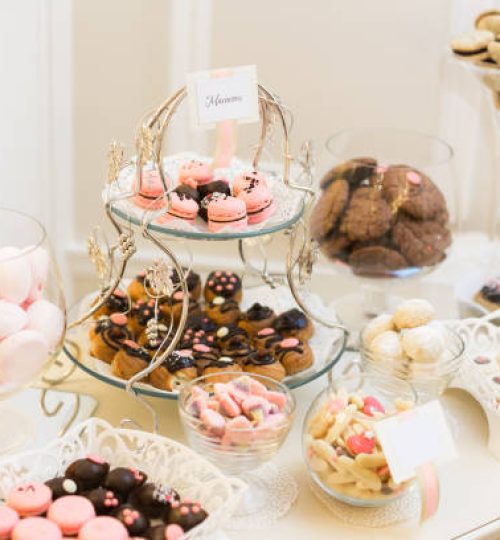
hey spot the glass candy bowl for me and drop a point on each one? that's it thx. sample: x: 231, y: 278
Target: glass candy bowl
x: 32, y: 314
x: 382, y: 209
x: 342, y: 453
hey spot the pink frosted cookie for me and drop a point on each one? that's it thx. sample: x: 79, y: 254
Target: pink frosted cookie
x: 247, y: 179
x: 226, y: 211
x: 259, y: 203
x: 12, y: 319
x: 30, y: 499
x: 22, y: 355
x: 70, y: 513
x: 151, y: 191
x: 36, y: 528
x: 8, y: 520
x: 182, y: 206
x: 195, y: 173
x: 103, y: 528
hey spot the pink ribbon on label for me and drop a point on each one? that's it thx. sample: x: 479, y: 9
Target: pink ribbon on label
x: 428, y: 482
x: 225, y: 144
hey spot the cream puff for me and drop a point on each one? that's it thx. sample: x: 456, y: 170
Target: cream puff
x: 177, y: 369
x: 223, y: 311
x: 129, y: 360
x: 295, y: 355
x: 264, y: 364
x: 294, y: 323
x: 220, y: 367
x: 108, y: 335
x: 256, y: 318
x: 223, y: 283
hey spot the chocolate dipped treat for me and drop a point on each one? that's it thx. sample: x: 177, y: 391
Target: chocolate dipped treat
x: 295, y: 355
x: 186, y: 514
x: 107, y: 336
x: 220, y: 367
x: 193, y: 281
x: 123, y: 480
x: 294, y: 323
x: 134, y: 520
x: 266, y: 340
x: 264, y: 364
x: 256, y: 318
x: 489, y: 295
x: 153, y: 500
x: 88, y: 472
x: 142, y: 311
x: 104, y: 500
x: 178, y: 368
x: 62, y: 486
x: 223, y: 283
x: 118, y: 302
x: 223, y: 311
x: 130, y: 360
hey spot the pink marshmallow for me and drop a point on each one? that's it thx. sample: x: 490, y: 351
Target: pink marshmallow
x: 277, y: 398
x: 214, y: 422
x: 228, y: 406
x: 12, y: 319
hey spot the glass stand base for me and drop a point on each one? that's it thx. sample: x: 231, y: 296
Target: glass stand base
x: 15, y: 428
x: 270, y: 494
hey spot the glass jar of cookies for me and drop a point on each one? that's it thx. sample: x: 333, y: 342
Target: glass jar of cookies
x: 341, y: 450
x: 383, y: 209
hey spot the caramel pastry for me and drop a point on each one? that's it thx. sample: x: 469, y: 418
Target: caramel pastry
x: 264, y: 364
x: 152, y: 340
x: 223, y: 311
x: 142, y: 311
x: 116, y: 303
x: 256, y: 318
x: 220, y: 367
x: 227, y: 335
x: 193, y: 282
x: 294, y: 354
x: 267, y: 340
x: 226, y: 284
x: 176, y: 307
x: 108, y: 336
x: 129, y: 360
x: 177, y: 369
x: 136, y: 289
x: 203, y: 355
x: 294, y: 323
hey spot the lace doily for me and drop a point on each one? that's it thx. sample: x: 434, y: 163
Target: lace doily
x: 288, y: 201
x: 270, y: 495
x: 163, y: 460
x: 406, y: 508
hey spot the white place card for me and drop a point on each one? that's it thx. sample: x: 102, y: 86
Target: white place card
x: 223, y: 94
x: 414, y: 438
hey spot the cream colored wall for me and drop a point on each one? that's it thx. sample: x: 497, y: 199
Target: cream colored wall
x: 120, y: 72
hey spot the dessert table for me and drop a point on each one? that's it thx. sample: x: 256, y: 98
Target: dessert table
x: 469, y: 484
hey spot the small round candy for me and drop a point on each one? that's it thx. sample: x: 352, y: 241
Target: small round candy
x: 36, y: 527
x: 8, y: 520
x: 70, y: 513
x: 103, y: 528
x: 31, y: 499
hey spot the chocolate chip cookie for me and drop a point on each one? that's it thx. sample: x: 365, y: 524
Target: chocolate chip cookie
x: 422, y: 242
x: 329, y: 208
x: 410, y: 190
x: 367, y: 217
x: 376, y: 260
x: 354, y: 171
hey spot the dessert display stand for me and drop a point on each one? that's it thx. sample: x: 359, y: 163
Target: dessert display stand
x: 293, y: 199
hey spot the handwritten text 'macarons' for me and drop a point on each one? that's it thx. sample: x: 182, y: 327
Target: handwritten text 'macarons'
x: 218, y: 100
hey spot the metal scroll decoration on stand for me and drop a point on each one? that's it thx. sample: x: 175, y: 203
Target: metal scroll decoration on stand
x: 112, y: 262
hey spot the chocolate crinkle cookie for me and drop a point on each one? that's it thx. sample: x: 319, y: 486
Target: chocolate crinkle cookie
x: 380, y: 219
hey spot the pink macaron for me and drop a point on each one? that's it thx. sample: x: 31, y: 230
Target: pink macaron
x: 247, y: 179
x: 181, y: 207
x: 226, y: 211
x: 259, y: 202
x: 37, y: 528
x: 151, y: 191
x: 195, y: 173
x: 103, y: 528
x: 70, y: 513
x: 30, y: 499
x: 8, y: 520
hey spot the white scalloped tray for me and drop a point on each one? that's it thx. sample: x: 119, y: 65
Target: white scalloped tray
x: 162, y: 459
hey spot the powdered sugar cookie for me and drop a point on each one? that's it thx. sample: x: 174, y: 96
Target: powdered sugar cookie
x: 413, y: 313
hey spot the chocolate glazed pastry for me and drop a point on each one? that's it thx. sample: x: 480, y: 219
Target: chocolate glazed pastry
x: 489, y: 295
x: 220, y: 367
x: 227, y: 335
x: 141, y: 312
x: 223, y: 311
x: 178, y: 368
x: 200, y: 321
x: 193, y: 281
x: 129, y: 360
x: 267, y: 340
x: 237, y: 350
x: 264, y: 364
x: 295, y: 355
x: 203, y: 356
x: 136, y: 288
x: 294, y: 323
x: 223, y: 283
x: 176, y: 306
x: 191, y: 338
x: 117, y: 303
x: 256, y: 318
x: 107, y: 336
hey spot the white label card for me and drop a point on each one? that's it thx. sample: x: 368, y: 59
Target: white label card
x: 413, y: 438
x: 223, y: 94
